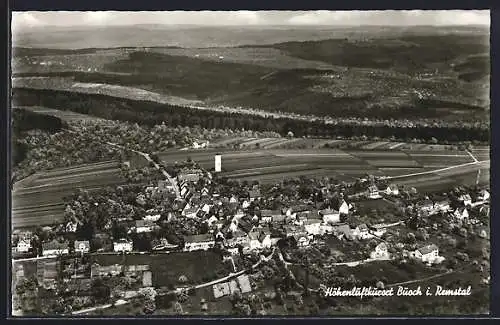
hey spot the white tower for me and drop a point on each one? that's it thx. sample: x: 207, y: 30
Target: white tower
x: 218, y: 163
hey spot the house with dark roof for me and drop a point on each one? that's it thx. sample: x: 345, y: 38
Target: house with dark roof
x: 254, y: 194
x: 198, y: 242
x: 55, y: 248
x: 143, y: 226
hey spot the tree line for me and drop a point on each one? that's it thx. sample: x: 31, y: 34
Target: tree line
x: 152, y: 113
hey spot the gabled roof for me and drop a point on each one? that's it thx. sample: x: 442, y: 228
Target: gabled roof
x: 55, y: 245
x: 328, y: 212
x: 123, y: 241
x: 427, y: 249
x: 198, y: 238
x: 144, y: 223
x: 82, y: 242
x: 270, y: 213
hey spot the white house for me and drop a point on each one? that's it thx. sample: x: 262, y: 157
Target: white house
x: 143, y: 226
x: 55, y: 248
x: 245, y: 204
x: 152, y: 217
x: 461, y: 213
x: 392, y: 189
x: 233, y: 199
x: 313, y: 226
x: 330, y: 216
x: 483, y: 196
x: 428, y: 254
x: 198, y: 242
x: 82, y: 246
x: 302, y: 240
x: 123, y: 245
x: 206, y: 208
x: 465, y: 199
x: 380, y: 252
x: 71, y: 226
x: 212, y: 220
x: 362, y: 232
x: 443, y: 206
x: 23, y: 246
x: 373, y: 193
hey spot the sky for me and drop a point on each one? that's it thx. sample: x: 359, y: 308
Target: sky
x: 34, y: 19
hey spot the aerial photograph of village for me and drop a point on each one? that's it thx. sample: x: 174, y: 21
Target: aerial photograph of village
x: 250, y: 163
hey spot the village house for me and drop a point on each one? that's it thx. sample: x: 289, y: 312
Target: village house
x: 71, y: 226
x: 342, y: 231
x: 122, y: 245
x: 144, y: 226
x: 373, y: 192
x: 198, y: 242
x: 428, y: 254
x: 313, y: 226
x: 442, y: 205
x: 190, y: 212
x: 342, y: 207
x: 205, y: 191
x: 483, y: 196
x: 330, y: 216
x: 161, y: 244
x: 461, y: 213
x: 302, y: 239
x: 425, y: 206
x: 152, y: 216
x: 259, y: 240
x: 23, y: 246
x: 380, y: 252
x: 82, y: 246
x: 55, y: 248
x: 189, y: 175
x: 465, y: 199
x: 392, y: 190
x: 362, y: 232
x: 271, y: 216
x: 238, y: 238
x: 254, y: 194
x: 245, y: 204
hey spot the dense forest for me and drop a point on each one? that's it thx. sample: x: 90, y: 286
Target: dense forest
x: 24, y: 120
x: 150, y: 113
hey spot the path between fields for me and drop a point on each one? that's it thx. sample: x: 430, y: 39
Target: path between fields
x: 438, y: 170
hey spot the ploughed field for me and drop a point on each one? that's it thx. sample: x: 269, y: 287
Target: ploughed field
x: 274, y: 165
x: 38, y: 199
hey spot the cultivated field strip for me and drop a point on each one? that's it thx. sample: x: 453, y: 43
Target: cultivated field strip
x: 374, y: 145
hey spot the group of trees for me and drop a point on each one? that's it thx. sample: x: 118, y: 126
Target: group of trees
x: 153, y: 113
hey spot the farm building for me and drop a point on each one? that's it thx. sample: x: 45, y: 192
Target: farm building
x: 330, y: 216
x: 143, y: 226
x: 392, y: 189
x: 461, y: 213
x: 313, y: 226
x: 373, y: 192
x: 123, y: 245
x: 55, y: 248
x: 23, y: 246
x: 82, y: 246
x: 428, y: 254
x: 380, y: 252
x: 198, y: 242
x: 465, y: 199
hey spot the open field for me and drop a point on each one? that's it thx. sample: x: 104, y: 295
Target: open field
x: 167, y: 268
x: 38, y: 200
x: 68, y: 116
